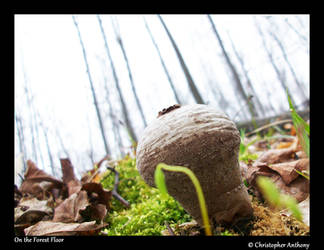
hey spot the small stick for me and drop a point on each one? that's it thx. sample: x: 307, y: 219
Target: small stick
x: 268, y: 126
x: 114, y: 191
x: 169, y: 228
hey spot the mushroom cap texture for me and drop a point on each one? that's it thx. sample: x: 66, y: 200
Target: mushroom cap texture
x: 206, y: 141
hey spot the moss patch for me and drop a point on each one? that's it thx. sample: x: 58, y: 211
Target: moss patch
x: 147, y: 213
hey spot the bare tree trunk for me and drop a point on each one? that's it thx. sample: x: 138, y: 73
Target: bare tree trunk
x: 301, y: 36
x: 21, y: 140
x: 49, y: 152
x: 236, y: 77
x: 163, y: 64
x: 283, y: 51
x: 115, y: 123
x: 184, y: 67
x: 280, y: 78
x: 138, y: 103
x: 248, y: 81
x: 37, y: 134
x: 30, y: 106
x: 217, y: 94
x: 93, y: 91
x: 61, y: 142
x: 126, y: 119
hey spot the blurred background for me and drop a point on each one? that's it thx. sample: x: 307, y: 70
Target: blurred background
x: 87, y: 85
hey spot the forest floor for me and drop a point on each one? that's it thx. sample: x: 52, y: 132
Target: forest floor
x: 114, y: 200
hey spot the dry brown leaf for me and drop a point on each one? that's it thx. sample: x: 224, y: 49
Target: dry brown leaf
x: 37, y: 182
x: 31, y: 210
x: 257, y: 169
x: 274, y: 156
x: 95, y: 212
x: 298, y: 187
x: 287, y: 169
x: 68, y: 210
x: 97, y: 193
x: 72, y: 183
x: 50, y: 228
x: 90, y: 203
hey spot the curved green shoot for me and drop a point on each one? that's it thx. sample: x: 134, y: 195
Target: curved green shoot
x: 160, y: 183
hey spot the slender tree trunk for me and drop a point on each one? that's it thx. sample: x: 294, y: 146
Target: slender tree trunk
x: 138, y: 103
x: 248, y: 81
x: 163, y: 64
x: 184, y: 67
x: 302, y: 37
x: 125, y: 114
x: 49, y: 152
x: 39, y: 151
x: 21, y: 140
x: 236, y: 77
x: 115, y: 124
x: 217, y: 93
x: 93, y: 91
x: 61, y: 142
x: 283, y: 51
x: 277, y: 71
x: 30, y: 106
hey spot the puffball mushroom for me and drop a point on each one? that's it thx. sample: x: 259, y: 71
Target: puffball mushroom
x: 206, y: 141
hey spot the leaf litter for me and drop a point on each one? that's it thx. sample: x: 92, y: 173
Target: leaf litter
x: 47, y: 206
x: 284, y: 161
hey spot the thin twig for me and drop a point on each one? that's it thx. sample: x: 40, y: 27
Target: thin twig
x: 114, y: 191
x: 268, y: 126
x: 169, y: 228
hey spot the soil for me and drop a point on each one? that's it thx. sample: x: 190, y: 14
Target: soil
x: 265, y: 222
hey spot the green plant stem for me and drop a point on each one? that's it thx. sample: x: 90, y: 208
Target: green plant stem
x: 200, y: 194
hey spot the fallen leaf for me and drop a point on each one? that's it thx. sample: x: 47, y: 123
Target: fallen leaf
x: 69, y: 178
x: 95, y: 212
x: 37, y: 182
x: 50, y: 228
x: 287, y: 169
x: 103, y: 196
x: 298, y: 187
x: 68, y: 210
x: 273, y: 156
x: 257, y: 169
x: 31, y: 211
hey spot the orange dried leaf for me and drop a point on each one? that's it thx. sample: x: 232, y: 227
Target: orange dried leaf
x: 282, y: 145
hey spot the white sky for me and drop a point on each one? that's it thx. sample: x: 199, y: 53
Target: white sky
x: 48, y: 48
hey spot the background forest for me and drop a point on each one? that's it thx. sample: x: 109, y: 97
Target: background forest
x: 87, y: 85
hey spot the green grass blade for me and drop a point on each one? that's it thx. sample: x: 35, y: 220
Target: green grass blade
x: 302, y: 128
x: 269, y: 190
x: 290, y: 203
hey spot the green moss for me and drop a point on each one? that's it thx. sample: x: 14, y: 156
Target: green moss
x: 147, y: 212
